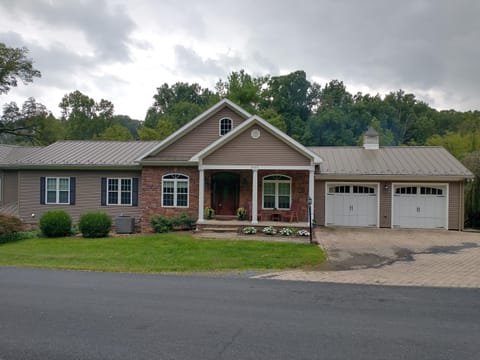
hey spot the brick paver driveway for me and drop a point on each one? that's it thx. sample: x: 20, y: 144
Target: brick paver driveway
x: 395, y: 257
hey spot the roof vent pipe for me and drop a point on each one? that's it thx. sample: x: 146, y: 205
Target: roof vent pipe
x: 371, y: 139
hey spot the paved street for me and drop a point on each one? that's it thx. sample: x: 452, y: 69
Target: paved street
x: 53, y: 315
x: 395, y: 257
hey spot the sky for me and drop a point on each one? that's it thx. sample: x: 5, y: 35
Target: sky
x: 123, y: 50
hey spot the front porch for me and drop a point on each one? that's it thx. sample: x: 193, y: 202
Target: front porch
x: 271, y: 196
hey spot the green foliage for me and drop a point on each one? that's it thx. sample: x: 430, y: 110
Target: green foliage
x: 163, y: 224
x: 22, y: 235
x: 85, y: 118
x: 115, y: 132
x: 472, y: 190
x: 56, y: 223
x: 10, y: 224
x: 14, y: 66
x: 94, y: 224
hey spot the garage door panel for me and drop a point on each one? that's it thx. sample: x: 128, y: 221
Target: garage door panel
x: 352, y: 205
x: 419, y: 206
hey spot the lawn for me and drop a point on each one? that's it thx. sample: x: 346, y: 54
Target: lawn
x: 158, y: 253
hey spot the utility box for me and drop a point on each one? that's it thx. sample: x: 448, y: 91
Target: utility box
x: 124, y: 225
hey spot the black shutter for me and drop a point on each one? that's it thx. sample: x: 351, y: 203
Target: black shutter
x: 135, y: 192
x: 104, y: 192
x: 72, y: 190
x: 42, y: 190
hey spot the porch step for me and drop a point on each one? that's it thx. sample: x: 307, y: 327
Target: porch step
x: 221, y: 229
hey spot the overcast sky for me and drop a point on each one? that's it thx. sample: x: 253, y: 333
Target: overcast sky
x: 123, y: 50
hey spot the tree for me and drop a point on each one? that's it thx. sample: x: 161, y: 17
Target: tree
x: 115, y: 132
x: 33, y: 124
x: 243, y: 89
x: 85, y: 118
x: 14, y: 66
x: 293, y: 97
x: 163, y: 129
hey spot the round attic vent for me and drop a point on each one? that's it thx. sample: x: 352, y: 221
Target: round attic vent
x: 255, y: 134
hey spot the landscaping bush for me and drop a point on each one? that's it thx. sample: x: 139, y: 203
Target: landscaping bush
x: 161, y: 224
x: 10, y: 224
x: 94, y: 224
x: 184, y: 221
x: 55, y: 223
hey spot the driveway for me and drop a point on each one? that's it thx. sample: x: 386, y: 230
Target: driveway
x: 395, y: 257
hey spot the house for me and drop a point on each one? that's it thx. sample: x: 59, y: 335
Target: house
x: 226, y: 158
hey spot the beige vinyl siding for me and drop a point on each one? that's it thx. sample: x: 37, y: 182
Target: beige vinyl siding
x: 319, y: 204
x: 266, y: 150
x: 385, y: 204
x: 198, y: 138
x: 88, y: 194
x: 9, y: 187
x: 455, y: 206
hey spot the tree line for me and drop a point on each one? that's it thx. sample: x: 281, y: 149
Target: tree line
x: 313, y: 114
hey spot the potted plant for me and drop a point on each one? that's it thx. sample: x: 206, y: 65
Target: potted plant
x: 241, y: 213
x: 209, y: 212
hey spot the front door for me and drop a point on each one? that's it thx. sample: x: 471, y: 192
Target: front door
x: 225, y: 193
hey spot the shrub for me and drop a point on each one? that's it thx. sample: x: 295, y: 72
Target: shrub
x: 10, y: 224
x: 269, y: 230
x: 303, y: 233
x: 56, y: 223
x: 249, y: 230
x: 94, y: 224
x: 287, y: 231
x: 22, y: 235
x: 184, y: 221
x: 161, y: 224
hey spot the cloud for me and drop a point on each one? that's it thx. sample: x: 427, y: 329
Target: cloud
x: 106, y: 28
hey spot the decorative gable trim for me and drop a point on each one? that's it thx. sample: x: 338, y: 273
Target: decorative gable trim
x: 268, y: 127
x: 194, y: 123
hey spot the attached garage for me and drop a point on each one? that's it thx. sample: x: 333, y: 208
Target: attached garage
x: 351, y: 204
x: 422, y: 206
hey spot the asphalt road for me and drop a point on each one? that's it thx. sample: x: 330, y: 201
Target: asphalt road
x: 84, y: 315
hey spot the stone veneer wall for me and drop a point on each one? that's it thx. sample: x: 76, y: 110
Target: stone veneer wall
x: 151, y: 196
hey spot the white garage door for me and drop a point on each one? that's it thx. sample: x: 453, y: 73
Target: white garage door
x: 351, y: 205
x: 420, y: 206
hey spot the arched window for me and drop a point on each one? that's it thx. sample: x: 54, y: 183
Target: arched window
x: 225, y: 125
x: 175, y: 190
x: 277, y: 192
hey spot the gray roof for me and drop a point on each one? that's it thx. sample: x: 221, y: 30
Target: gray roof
x: 88, y: 153
x: 10, y: 154
x: 371, y: 131
x: 394, y: 160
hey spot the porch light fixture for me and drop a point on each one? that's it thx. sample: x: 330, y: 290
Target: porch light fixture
x: 385, y: 187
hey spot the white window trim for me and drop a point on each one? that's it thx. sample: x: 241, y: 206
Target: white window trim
x: 119, y: 192
x: 276, y: 182
x: 57, y: 191
x: 220, y: 126
x: 175, y: 190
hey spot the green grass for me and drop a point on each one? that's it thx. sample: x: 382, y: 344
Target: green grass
x: 157, y: 253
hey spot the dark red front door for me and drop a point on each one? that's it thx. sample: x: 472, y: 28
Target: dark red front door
x: 225, y: 191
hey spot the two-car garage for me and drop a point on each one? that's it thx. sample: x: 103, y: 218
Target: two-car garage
x: 416, y: 205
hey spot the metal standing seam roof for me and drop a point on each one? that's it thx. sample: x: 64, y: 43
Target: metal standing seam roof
x: 11, y: 154
x: 392, y: 160
x: 88, y: 153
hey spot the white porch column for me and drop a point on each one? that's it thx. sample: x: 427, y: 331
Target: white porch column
x: 254, y: 195
x: 311, y: 190
x: 201, y: 195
